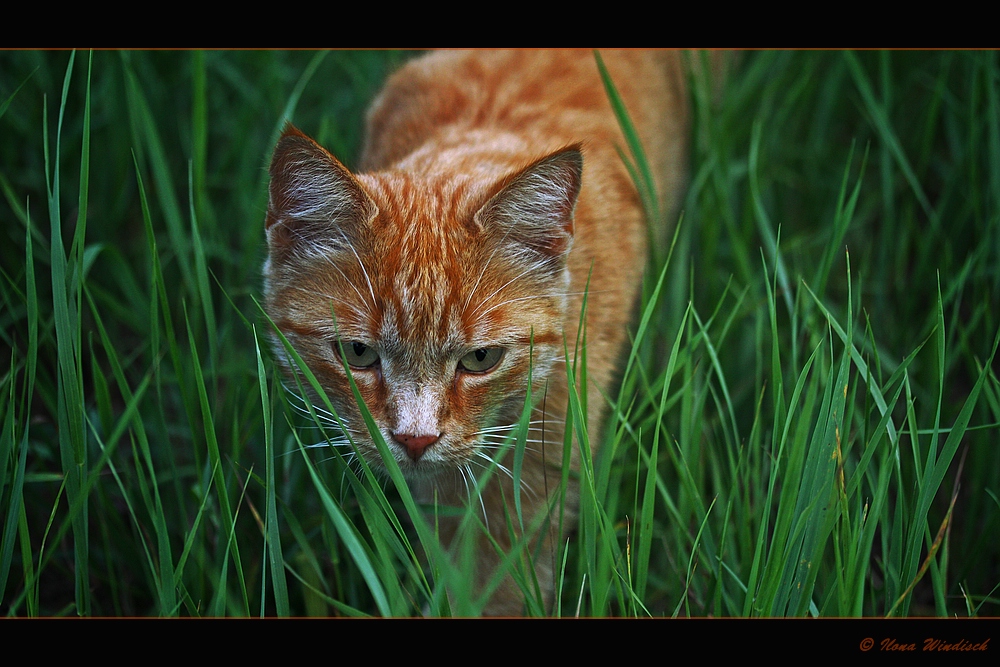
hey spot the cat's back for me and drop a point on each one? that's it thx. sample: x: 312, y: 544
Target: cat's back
x: 547, y: 99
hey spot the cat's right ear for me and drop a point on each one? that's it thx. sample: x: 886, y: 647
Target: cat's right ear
x: 315, y: 204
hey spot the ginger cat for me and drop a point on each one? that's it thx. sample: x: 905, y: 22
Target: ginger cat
x: 490, y: 190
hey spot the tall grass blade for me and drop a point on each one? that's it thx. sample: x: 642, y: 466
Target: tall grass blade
x: 276, y: 558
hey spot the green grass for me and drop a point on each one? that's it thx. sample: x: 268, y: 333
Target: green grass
x: 807, y: 422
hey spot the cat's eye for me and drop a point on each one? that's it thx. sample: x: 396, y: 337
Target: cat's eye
x: 357, y: 355
x: 481, y: 360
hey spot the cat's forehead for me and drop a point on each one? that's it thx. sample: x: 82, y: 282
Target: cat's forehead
x: 427, y: 255
x: 424, y: 235
x: 425, y: 210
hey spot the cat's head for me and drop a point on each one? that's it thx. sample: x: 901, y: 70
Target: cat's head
x: 438, y: 290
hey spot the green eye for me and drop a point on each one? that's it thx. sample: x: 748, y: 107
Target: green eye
x: 481, y: 360
x: 357, y: 355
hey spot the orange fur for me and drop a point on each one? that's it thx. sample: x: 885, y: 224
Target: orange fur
x: 468, y: 241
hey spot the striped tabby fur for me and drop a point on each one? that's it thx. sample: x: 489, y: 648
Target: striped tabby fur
x: 490, y: 189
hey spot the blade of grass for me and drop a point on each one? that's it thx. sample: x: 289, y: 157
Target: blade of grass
x: 273, y: 537
x: 215, y: 459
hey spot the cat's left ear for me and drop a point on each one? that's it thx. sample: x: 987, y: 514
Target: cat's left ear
x: 534, y: 207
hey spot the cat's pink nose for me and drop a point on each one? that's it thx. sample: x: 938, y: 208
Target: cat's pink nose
x: 415, y: 444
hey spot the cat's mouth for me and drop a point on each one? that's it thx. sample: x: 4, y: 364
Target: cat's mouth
x: 432, y: 462
x: 422, y: 468
x: 427, y: 457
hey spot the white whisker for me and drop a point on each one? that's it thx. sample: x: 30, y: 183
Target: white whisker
x: 363, y: 271
x: 327, y: 256
x: 501, y: 467
x: 479, y: 494
x: 505, y: 470
x: 465, y: 480
x: 502, y: 287
x: 481, y: 274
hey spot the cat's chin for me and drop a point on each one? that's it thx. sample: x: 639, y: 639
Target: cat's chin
x: 428, y: 469
x: 423, y: 474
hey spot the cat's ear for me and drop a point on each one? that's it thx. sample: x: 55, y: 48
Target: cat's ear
x: 315, y: 204
x: 533, y: 209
